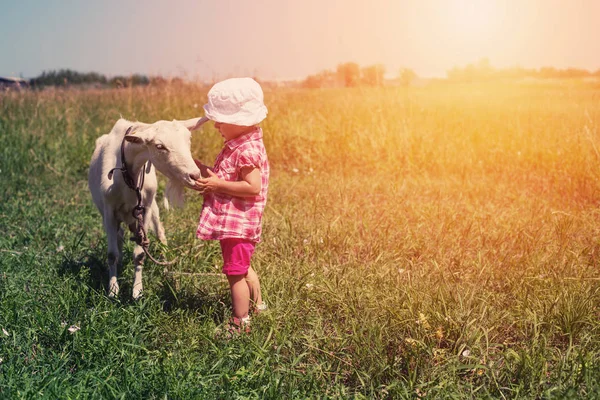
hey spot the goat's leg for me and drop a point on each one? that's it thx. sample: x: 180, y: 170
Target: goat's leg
x: 152, y: 221
x: 138, y: 262
x: 155, y: 224
x: 121, y: 236
x: 111, y: 226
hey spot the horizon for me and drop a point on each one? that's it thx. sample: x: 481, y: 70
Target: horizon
x: 387, y: 76
x: 207, y: 41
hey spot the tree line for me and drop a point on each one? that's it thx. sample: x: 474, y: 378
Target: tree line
x: 349, y: 74
x: 484, y: 71
x: 68, y: 77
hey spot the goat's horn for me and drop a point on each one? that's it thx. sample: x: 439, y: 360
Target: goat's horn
x: 195, y: 123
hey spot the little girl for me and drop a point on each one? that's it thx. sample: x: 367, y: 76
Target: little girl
x: 235, y: 190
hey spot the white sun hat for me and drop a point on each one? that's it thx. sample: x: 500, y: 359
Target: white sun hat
x: 238, y: 101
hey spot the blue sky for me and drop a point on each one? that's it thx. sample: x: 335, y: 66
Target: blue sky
x: 292, y: 39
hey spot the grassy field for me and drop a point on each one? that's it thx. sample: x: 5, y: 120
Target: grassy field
x: 434, y: 242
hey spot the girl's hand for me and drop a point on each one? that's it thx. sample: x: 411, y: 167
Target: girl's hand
x: 209, y: 184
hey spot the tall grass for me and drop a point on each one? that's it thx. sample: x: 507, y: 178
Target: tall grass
x: 431, y: 242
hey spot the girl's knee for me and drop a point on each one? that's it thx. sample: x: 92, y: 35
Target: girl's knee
x: 235, y: 278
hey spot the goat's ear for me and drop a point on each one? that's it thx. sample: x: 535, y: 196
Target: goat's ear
x: 138, y: 135
x: 194, y: 123
x: 134, y: 139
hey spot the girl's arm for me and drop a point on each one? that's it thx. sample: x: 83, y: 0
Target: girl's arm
x: 249, y: 185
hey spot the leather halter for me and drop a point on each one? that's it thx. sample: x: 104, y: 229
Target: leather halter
x: 127, y: 178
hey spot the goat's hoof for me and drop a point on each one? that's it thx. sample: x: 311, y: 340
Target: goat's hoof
x: 137, y: 294
x: 113, y: 291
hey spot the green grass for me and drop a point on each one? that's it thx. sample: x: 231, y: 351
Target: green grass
x: 437, y: 242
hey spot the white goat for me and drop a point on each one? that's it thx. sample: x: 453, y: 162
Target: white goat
x: 164, y: 145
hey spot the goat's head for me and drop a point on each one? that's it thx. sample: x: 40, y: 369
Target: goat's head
x: 168, y: 145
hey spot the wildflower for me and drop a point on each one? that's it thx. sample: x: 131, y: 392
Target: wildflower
x: 439, y: 333
x: 423, y: 321
x: 295, y: 170
x: 73, y: 328
x: 439, y: 354
x: 309, y: 285
x: 466, y: 353
x: 60, y: 248
x: 401, y: 270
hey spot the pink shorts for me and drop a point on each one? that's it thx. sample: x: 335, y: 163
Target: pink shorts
x: 236, y: 256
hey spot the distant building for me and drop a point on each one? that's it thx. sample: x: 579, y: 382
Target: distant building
x: 13, y: 83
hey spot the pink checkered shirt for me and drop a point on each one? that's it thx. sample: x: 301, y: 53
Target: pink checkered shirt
x: 224, y: 216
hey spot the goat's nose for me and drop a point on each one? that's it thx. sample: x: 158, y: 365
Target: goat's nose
x: 195, y: 176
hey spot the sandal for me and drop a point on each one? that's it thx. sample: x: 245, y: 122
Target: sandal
x: 235, y: 327
x: 262, y: 307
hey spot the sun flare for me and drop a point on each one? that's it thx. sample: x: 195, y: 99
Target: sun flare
x: 470, y: 22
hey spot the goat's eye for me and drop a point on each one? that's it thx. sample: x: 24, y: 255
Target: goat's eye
x: 161, y: 147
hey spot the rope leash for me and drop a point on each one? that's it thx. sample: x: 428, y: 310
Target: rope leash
x: 140, y: 236
x: 139, y: 211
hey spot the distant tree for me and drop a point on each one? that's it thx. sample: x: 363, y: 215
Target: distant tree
x: 67, y: 77
x: 484, y: 70
x: 349, y: 73
x: 454, y: 74
x: 138, y: 79
x: 158, y: 81
x: 575, y: 73
x: 324, y: 78
x: 407, y: 76
x: 312, y: 82
x: 373, y: 75
x: 467, y: 74
x: 470, y: 73
x: 548, y: 72
x: 129, y: 81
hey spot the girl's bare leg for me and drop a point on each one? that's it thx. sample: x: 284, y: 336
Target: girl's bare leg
x: 240, y: 295
x: 254, y: 287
